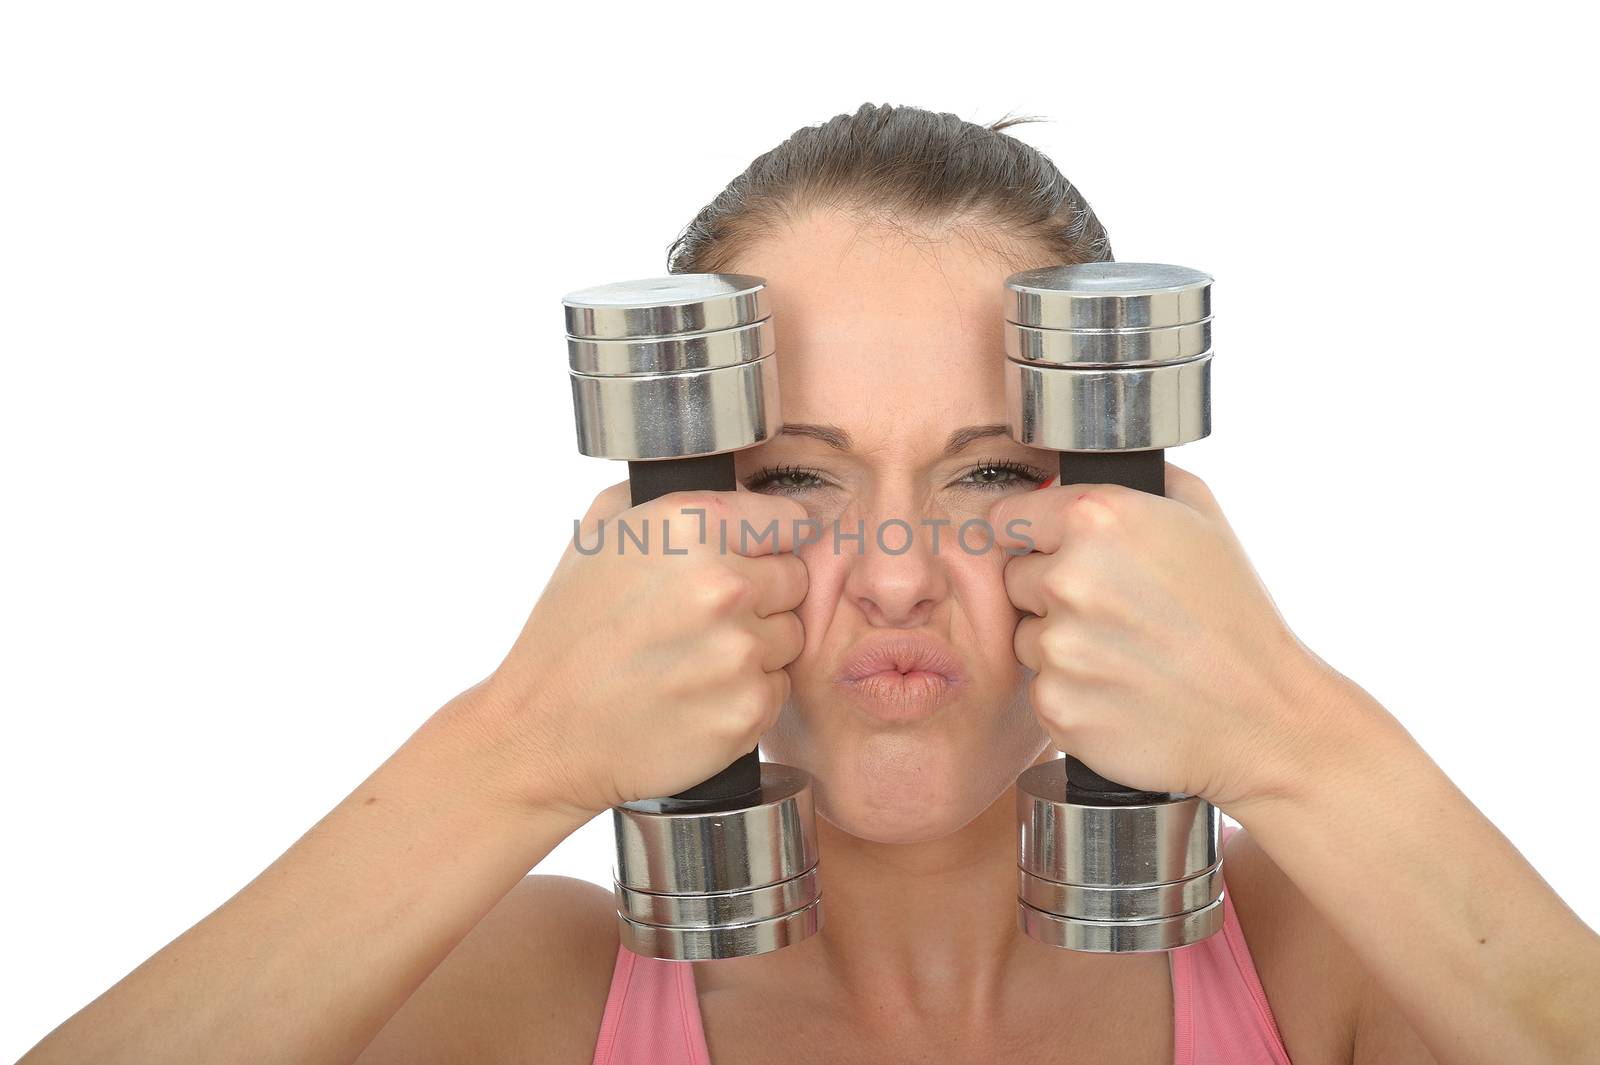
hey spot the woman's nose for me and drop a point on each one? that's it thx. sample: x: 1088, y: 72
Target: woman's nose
x: 896, y: 578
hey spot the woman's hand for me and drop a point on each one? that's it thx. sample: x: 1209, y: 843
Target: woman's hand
x: 641, y: 673
x: 1161, y: 661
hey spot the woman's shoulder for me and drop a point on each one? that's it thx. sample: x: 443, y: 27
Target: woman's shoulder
x: 528, y: 984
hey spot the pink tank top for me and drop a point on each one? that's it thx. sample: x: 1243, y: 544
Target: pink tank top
x: 1220, y: 1012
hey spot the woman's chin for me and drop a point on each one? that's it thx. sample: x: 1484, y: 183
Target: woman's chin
x: 909, y: 785
x: 877, y: 825
x: 910, y: 800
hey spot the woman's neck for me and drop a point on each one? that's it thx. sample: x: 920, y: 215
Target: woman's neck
x: 923, y: 937
x: 929, y: 925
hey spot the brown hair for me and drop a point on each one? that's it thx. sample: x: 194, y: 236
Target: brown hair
x: 890, y: 163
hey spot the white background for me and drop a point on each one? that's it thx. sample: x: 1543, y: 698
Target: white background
x: 287, y: 438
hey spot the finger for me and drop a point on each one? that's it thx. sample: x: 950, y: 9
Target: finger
x: 1035, y: 521
x: 1044, y: 520
x: 738, y: 522
x: 780, y: 684
x: 1024, y: 580
x: 782, y: 639
x: 780, y: 581
x: 1025, y: 642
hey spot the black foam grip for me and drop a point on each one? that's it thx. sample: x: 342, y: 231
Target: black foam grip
x: 647, y: 481
x: 1145, y: 471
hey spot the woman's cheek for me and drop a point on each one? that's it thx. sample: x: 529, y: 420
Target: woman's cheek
x: 826, y: 569
x: 985, y: 611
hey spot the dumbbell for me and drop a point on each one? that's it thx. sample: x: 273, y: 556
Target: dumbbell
x: 1110, y: 364
x: 674, y: 374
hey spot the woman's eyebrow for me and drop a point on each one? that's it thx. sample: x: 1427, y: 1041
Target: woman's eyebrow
x: 839, y: 440
x: 831, y: 435
x: 961, y: 438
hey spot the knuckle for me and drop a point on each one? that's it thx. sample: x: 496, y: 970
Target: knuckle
x: 732, y: 726
x: 603, y: 505
x: 1093, y: 511
x: 737, y: 650
x: 720, y: 592
x: 1193, y: 482
x: 684, y: 680
x: 1069, y: 657
x: 655, y: 509
x: 691, y: 516
x: 1060, y: 649
x: 1052, y: 703
x: 750, y: 710
x: 1064, y: 585
x: 695, y: 499
x: 1082, y: 589
x: 750, y: 653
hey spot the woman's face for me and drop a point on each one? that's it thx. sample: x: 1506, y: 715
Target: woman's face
x: 893, y: 396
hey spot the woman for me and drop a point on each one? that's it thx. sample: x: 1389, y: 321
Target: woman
x: 1374, y: 915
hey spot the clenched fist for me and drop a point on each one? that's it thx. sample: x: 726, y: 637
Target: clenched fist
x: 1161, y: 661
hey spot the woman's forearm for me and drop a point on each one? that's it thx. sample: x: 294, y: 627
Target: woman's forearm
x: 1481, y: 956
x: 313, y: 957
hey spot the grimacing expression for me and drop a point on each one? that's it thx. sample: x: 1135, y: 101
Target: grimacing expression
x: 893, y: 395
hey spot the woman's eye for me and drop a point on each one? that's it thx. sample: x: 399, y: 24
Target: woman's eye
x: 986, y: 476
x: 784, y: 479
x: 990, y: 475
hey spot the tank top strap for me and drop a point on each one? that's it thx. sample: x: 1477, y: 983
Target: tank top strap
x: 652, y: 1015
x: 1220, y: 1010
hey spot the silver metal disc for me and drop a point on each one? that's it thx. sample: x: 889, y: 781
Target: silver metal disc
x: 727, y: 908
x: 728, y: 941
x: 1104, y: 846
x: 1120, y: 903
x: 1107, y: 347
x: 1135, y: 408
x: 677, y: 415
x: 693, y: 351
x: 674, y: 847
x: 665, y: 306
x: 1121, y: 937
x: 1108, y: 296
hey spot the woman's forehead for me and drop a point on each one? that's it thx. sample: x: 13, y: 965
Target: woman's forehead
x: 894, y: 389
x: 892, y: 373
x: 828, y: 270
x: 873, y: 317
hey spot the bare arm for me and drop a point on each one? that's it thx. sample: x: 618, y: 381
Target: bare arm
x: 620, y: 686
x: 1147, y: 620
x: 1472, y: 957
x: 309, y: 961
x: 526, y: 987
